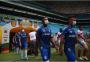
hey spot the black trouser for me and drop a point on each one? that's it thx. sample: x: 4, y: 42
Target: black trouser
x: 34, y: 47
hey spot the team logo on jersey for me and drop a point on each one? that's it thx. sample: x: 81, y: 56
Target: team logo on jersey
x: 46, y: 33
x: 43, y: 30
x: 45, y: 57
x: 69, y: 49
x: 41, y: 47
x: 49, y: 30
x: 72, y: 35
x: 70, y: 31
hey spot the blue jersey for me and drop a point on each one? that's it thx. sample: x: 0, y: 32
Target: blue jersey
x: 70, y: 37
x: 23, y: 39
x: 44, y: 34
x: 69, y: 45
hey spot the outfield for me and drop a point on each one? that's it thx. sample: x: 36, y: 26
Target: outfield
x: 12, y: 56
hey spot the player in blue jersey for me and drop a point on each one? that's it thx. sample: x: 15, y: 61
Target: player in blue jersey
x: 17, y: 42
x: 70, y: 40
x: 43, y: 37
x: 23, y: 44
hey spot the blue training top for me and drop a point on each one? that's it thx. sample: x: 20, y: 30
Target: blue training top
x: 17, y: 36
x: 70, y: 37
x: 44, y: 34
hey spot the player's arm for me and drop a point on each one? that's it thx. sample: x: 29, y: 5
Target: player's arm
x: 64, y: 33
x: 53, y: 41
x: 20, y: 41
x: 37, y: 38
x: 81, y: 36
x: 62, y: 41
x: 27, y: 37
x: 14, y: 38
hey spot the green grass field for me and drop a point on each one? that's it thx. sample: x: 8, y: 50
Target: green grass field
x: 12, y: 56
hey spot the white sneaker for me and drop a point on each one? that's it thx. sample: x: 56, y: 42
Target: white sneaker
x: 84, y: 57
x: 47, y: 61
x: 76, y: 61
x: 26, y: 58
x: 80, y: 58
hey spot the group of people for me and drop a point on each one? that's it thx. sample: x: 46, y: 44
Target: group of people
x: 42, y: 38
x: 71, y: 39
x: 67, y: 37
x: 22, y: 46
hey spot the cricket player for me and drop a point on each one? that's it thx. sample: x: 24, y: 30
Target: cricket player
x: 17, y: 41
x: 43, y: 36
x: 70, y: 40
x: 23, y: 44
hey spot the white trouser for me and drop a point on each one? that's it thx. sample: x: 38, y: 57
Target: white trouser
x: 24, y: 54
x: 46, y: 61
x: 17, y: 50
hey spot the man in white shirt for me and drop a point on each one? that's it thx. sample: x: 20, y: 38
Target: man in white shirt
x: 33, y: 43
x: 32, y: 35
x: 82, y: 44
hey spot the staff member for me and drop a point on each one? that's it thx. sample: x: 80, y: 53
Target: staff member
x: 33, y: 42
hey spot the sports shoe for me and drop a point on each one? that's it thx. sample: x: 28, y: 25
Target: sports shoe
x: 26, y: 58
x: 84, y: 57
x: 80, y: 58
